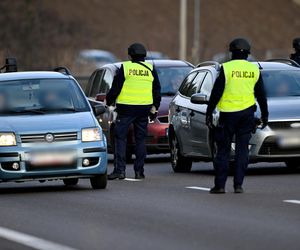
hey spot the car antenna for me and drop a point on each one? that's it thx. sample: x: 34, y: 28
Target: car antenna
x: 259, y: 65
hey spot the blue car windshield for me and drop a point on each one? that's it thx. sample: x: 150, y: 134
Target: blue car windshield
x: 41, y: 96
x: 281, y: 83
x: 171, y: 77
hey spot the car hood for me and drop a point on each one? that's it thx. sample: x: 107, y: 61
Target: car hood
x: 164, y: 105
x: 46, y: 123
x: 286, y: 108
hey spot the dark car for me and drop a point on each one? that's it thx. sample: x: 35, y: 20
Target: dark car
x: 170, y: 73
x: 191, y: 140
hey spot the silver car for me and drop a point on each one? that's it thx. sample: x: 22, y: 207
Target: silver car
x: 191, y: 140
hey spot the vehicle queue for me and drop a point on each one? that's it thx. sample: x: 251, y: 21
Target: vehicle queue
x: 46, y: 134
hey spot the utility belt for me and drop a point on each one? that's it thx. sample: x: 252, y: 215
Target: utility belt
x: 251, y: 108
x: 139, y: 110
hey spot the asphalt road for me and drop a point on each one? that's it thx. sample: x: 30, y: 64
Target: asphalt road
x: 157, y: 213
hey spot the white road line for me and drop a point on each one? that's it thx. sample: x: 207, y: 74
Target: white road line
x: 292, y: 201
x: 129, y: 179
x: 30, y: 241
x: 199, y: 188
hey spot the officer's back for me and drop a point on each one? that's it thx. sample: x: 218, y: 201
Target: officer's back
x: 136, y: 92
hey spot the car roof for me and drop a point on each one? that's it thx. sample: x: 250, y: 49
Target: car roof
x: 263, y: 65
x: 276, y: 66
x: 159, y: 63
x: 32, y: 75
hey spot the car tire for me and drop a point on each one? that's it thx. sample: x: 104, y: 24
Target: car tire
x: 99, y: 181
x: 293, y: 164
x: 180, y: 164
x: 71, y: 182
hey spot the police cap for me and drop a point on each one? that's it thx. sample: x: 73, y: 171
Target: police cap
x: 296, y: 43
x: 137, y: 49
x: 240, y: 44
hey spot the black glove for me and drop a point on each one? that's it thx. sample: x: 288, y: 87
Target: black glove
x: 152, y: 116
x: 257, y: 123
x: 209, y: 121
x: 264, y: 121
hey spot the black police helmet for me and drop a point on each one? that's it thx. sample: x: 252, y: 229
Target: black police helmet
x: 137, y: 50
x: 296, y: 43
x: 240, y: 45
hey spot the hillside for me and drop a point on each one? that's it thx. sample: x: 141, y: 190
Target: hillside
x: 44, y: 33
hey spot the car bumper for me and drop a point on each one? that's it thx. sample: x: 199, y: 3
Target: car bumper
x: 96, y: 152
x: 264, y: 147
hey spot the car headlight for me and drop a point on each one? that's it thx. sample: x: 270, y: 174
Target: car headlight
x: 7, y: 139
x: 91, y: 134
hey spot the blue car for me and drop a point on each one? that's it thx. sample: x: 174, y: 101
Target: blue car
x: 48, y: 130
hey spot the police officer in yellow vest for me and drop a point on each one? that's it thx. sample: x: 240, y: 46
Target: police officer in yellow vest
x: 236, y: 88
x: 136, y: 92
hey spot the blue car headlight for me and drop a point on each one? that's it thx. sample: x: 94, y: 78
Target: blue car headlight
x: 91, y: 134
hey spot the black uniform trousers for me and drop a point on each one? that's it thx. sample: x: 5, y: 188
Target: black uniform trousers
x: 239, y: 124
x: 139, y: 119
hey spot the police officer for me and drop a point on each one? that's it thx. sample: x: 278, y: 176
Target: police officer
x: 136, y: 92
x: 234, y: 93
x: 296, y: 46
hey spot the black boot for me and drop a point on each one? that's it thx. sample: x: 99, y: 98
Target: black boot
x: 139, y: 175
x: 238, y: 190
x: 115, y: 175
x: 217, y: 190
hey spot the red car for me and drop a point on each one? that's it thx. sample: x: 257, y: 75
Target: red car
x: 170, y: 72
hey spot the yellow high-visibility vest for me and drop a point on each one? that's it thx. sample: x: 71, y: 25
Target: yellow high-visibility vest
x: 137, y: 87
x: 241, y: 77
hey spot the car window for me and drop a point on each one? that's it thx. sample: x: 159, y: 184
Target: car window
x: 106, y: 82
x: 170, y: 78
x: 191, y: 88
x: 96, y: 83
x: 197, y: 82
x: 187, y: 84
x: 207, y: 85
x: 281, y: 83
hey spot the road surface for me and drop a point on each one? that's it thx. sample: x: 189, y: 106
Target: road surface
x: 164, y: 211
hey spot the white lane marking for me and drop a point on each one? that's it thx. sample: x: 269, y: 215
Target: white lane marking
x: 199, y: 188
x: 292, y: 201
x: 129, y: 179
x: 30, y: 241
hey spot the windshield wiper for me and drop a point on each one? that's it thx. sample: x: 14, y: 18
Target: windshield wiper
x: 27, y: 111
x: 40, y: 111
x: 58, y: 109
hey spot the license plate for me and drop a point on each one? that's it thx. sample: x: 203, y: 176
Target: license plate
x: 51, y: 158
x: 288, y: 141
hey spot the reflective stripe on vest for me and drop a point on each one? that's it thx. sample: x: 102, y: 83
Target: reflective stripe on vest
x: 137, y: 87
x: 241, y: 77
